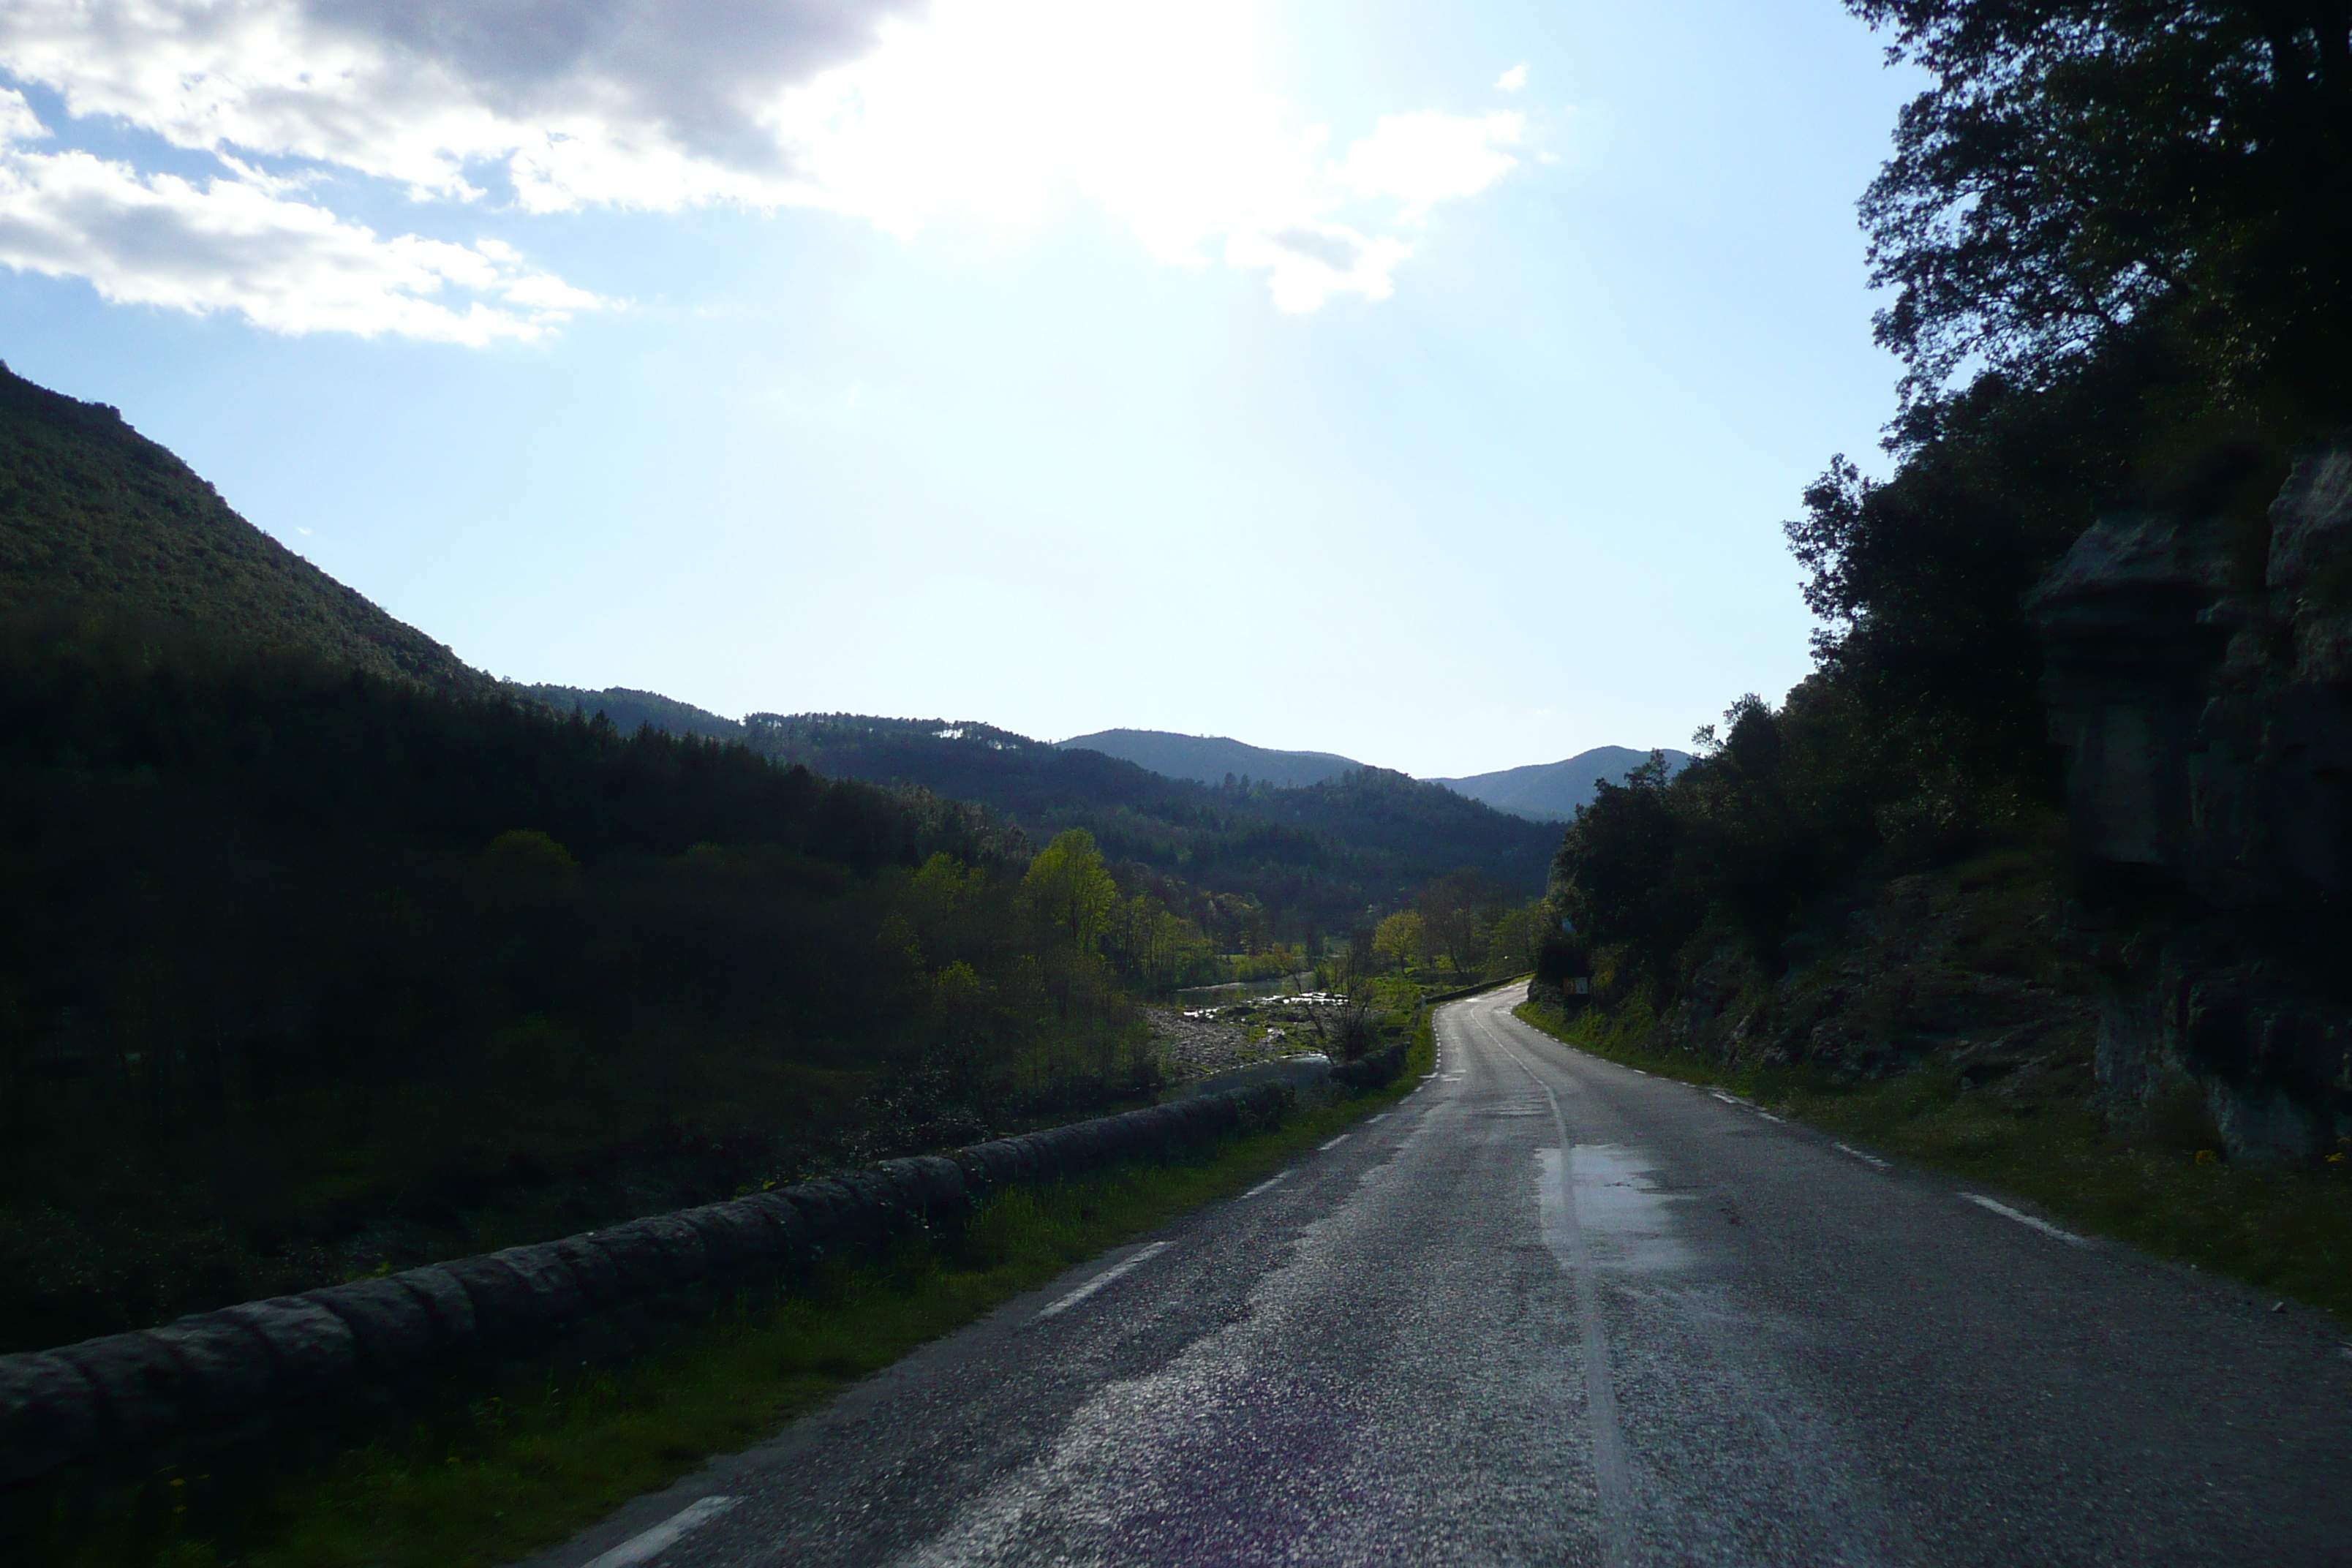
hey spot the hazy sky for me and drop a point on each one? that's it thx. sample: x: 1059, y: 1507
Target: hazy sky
x: 1418, y: 382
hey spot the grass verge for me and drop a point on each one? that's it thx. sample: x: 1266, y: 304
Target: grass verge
x: 2287, y: 1230
x: 516, y: 1474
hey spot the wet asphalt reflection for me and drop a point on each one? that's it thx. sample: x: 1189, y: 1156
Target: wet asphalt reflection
x: 1554, y: 1311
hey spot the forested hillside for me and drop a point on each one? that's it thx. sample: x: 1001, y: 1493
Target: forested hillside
x: 1555, y: 792
x: 319, y: 951
x: 1315, y: 862
x: 302, y: 970
x: 96, y: 517
x: 2115, y: 239
x: 1213, y: 759
x: 632, y: 710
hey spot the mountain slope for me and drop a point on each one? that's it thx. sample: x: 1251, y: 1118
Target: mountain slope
x: 96, y: 517
x: 1551, y: 792
x: 630, y: 711
x: 1316, y: 859
x: 1210, y: 758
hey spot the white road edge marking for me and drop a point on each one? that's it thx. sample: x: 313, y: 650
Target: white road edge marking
x: 1333, y: 1144
x: 1865, y: 1159
x: 2043, y: 1226
x: 1116, y: 1271
x: 646, y: 1545
x: 1383, y: 1116
x: 1270, y: 1181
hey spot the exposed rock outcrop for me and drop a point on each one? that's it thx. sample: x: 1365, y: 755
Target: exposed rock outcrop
x: 2199, y: 685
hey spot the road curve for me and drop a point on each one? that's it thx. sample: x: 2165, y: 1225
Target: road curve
x: 1555, y: 1310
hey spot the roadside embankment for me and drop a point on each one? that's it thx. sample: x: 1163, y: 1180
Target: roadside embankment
x: 2007, y: 1104
x: 468, y: 1412
x: 338, y: 1362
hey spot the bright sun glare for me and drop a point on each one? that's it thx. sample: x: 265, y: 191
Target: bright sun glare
x: 1158, y: 113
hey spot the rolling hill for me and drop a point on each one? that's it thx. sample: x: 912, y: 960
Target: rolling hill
x: 1316, y: 858
x: 1551, y: 792
x: 96, y: 518
x: 630, y: 709
x: 99, y: 524
x: 1211, y: 759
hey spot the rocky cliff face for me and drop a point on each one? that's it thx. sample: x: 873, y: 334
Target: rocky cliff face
x: 2199, y: 684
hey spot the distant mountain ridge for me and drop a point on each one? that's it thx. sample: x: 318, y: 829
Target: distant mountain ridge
x: 1212, y: 759
x: 1540, y: 791
x: 630, y: 711
x: 97, y: 519
x: 99, y: 523
x: 1551, y: 792
x: 1325, y: 853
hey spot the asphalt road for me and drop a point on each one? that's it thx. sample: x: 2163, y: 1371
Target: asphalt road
x: 1554, y: 1311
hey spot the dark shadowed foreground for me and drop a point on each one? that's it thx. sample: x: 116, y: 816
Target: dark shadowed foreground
x: 1554, y: 1311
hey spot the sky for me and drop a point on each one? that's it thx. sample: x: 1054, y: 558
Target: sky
x: 1421, y: 382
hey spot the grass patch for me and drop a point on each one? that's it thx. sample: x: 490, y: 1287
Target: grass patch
x: 2287, y: 1230
x: 519, y: 1473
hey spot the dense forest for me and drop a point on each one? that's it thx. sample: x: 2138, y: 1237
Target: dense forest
x: 324, y: 952
x: 1249, y: 863
x: 96, y: 517
x: 2113, y: 238
x: 305, y: 970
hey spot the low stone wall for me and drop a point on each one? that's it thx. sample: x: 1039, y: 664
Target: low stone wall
x: 1374, y: 1071
x: 239, y: 1377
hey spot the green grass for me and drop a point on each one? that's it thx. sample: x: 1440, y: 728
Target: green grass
x: 518, y: 1473
x: 2287, y: 1230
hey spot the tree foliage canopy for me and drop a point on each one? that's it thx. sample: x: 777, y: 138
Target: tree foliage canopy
x: 2083, y: 169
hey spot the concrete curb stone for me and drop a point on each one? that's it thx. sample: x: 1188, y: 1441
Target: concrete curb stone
x: 224, y: 1364
x: 392, y: 1329
x: 137, y: 1381
x: 312, y: 1350
x: 555, y: 1290
x: 446, y: 1305
x: 603, y: 1282
x: 48, y: 1415
x: 503, y: 1300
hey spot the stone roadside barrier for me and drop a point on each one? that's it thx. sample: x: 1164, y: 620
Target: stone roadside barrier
x: 217, y: 1381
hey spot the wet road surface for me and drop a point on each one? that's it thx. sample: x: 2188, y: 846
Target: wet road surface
x: 1554, y: 1311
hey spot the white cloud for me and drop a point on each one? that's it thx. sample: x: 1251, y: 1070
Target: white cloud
x: 226, y: 245
x: 1513, y: 80
x: 653, y: 104
x: 1422, y: 159
x: 1154, y: 109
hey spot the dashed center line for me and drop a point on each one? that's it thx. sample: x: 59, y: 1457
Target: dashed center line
x: 2043, y: 1226
x: 1116, y: 1271
x: 1270, y: 1181
x: 648, y: 1544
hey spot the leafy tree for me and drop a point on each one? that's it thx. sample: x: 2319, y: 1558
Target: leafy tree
x: 2086, y: 169
x: 1072, y: 891
x: 1454, y: 910
x: 1615, y: 871
x: 1154, y: 947
x: 1402, y: 938
x: 1516, y: 937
